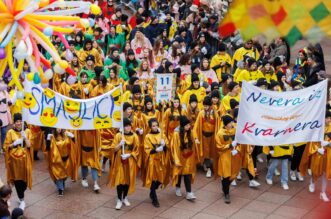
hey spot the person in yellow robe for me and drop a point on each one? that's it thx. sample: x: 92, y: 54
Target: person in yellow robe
x: 247, y: 50
x: 104, y: 136
x: 216, y: 103
x: 86, y: 86
x: 170, y: 118
x: 37, y: 140
x: 89, y: 50
x: 234, y: 90
x: 73, y: 90
x: 317, y: 158
x: 124, y: 164
x: 184, y: 158
x: 89, y: 142
x: 149, y: 112
x: 245, y: 152
x: 192, y: 111
x: 62, y: 162
x: 251, y: 73
x: 112, y: 75
x: 229, y: 162
x: 156, y: 160
x: 137, y: 102
x: 268, y: 71
x: 102, y: 88
x: 221, y: 62
x: 196, y: 89
x: 204, y: 132
x: 19, y: 158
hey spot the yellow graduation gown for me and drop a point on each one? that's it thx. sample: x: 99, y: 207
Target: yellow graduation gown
x: 170, y: 122
x: 62, y: 158
x: 123, y: 172
x: 156, y: 163
x: 184, y: 158
x: 205, y: 129
x: 200, y: 93
x: 19, y: 159
x: 228, y: 165
x: 37, y: 140
x: 318, y: 163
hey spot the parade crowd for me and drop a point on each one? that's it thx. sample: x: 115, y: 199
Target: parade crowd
x: 166, y: 143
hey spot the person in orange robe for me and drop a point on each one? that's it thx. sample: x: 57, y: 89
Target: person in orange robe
x: 124, y: 164
x: 204, y: 132
x: 156, y: 160
x: 229, y: 162
x: 62, y: 162
x: 317, y: 157
x: 184, y: 157
x: 19, y: 158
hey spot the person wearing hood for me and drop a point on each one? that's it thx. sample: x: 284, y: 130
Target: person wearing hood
x: 234, y: 93
x: 89, y: 50
x: 125, y: 163
x: 196, y: 89
x: 170, y: 118
x: 156, y: 160
x: 150, y: 112
x: 221, y: 61
x: 184, y: 156
x: 229, y: 162
x: 204, y: 131
x: 19, y: 158
x: 192, y: 110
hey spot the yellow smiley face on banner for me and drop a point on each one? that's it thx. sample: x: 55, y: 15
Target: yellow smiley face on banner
x: 29, y: 101
x: 71, y: 106
x: 48, y: 118
x: 76, y: 122
x: 103, y: 122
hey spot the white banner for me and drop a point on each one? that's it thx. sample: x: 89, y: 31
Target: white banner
x: 165, y: 87
x: 44, y: 107
x: 275, y: 118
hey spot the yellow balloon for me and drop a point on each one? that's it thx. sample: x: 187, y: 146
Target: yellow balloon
x: 30, y: 76
x: 95, y: 9
x: 85, y: 23
x: 63, y: 64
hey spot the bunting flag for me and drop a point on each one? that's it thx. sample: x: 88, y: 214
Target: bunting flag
x: 294, y: 20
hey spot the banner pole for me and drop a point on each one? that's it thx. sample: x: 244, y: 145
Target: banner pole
x: 122, y: 116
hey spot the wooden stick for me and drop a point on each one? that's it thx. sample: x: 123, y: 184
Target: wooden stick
x: 122, y: 115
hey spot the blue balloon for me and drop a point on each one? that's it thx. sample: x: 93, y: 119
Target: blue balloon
x: 48, y: 31
x: 36, y: 78
x: 92, y: 22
